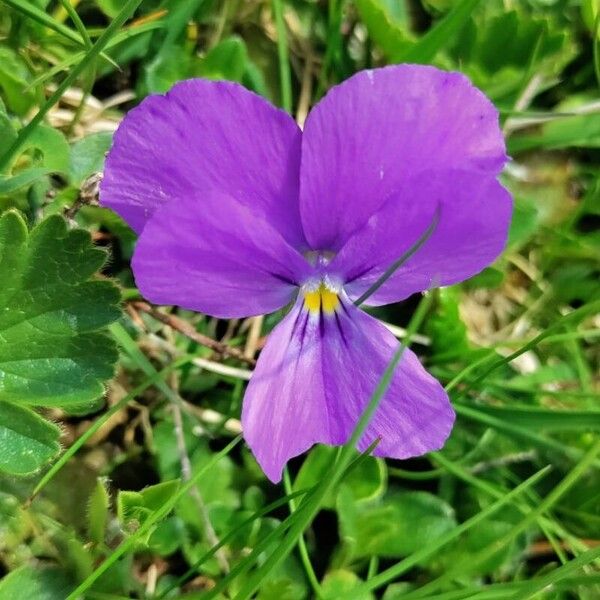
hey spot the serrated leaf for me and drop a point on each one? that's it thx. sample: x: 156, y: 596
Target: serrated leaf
x: 138, y: 506
x: 51, y: 352
x: 27, y: 441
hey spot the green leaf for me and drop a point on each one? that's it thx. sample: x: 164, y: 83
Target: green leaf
x: 87, y: 156
x: 337, y: 584
x: 14, y: 79
x: 54, y: 147
x: 43, y: 583
x: 227, y: 60
x: 171, y: 64
x: 51, y: 352
x: 110, y: 8
x: 395, y: 526
x: 27, y: 441
x: 368, y: 480
x: 25, y: 178
x: 134, y: 508
x: 7, y: 130
x: 445, y: 327
x: 98, y: 511
x: 392, y: 35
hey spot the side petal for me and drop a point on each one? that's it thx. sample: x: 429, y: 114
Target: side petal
x: 205, y: 135
x: 314, y: 379
x: 218, y: 256
x: 378, y: 128
x: 472, y: 229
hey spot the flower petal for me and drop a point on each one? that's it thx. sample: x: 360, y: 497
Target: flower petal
x: 474, y: 218
x: 314, y: 379
x: 205, y: 135
x: 216, y: 255
x: 379, y: 127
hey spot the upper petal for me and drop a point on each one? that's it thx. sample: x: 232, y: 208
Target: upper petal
x: 380, y: 127
x: 216, y: 255
x: 205, y: 135
x: 314, y: 379
x: 472, y: 229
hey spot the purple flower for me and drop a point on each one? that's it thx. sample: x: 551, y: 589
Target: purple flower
x: 240, y: 212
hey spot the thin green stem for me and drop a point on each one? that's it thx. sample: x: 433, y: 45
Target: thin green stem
x: 403, y: 259
x: 90, y: 56
x: 302, y: 549
x: 285, y: 75
x: 70, y: 10
x: 430, y: 549
x: 546, y: 504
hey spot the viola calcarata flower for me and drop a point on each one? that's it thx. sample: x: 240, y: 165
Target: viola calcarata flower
x: 241, y: 213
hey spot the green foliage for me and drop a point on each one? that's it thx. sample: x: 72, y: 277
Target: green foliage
x: 147, y: 504
x: 51, y: 350
x: 45, y: 583
x: 26, y: 439
x: 394, y: 526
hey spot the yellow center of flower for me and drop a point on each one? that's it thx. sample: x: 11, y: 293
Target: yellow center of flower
x: 322, y: 298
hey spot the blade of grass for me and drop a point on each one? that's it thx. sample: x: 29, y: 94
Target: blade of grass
x: 70, y: 10
x: 546, y: 524
x: 403, y: 259
x: 258, y: 550
x: 424, y: 50
x: 37, y: 14
x: 154, y: 518
x: 127, y: 10
x: 302, y: 549
x: 546, y: 504
x: 572, y: 317
x: 516, y: 431
x: 285, y: 75
x: 119, y: 37
x: 229, y: 535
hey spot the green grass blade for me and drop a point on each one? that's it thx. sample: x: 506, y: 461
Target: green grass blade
x: 89, y: 57
x: 40, y: 16
x: 434, y: 40
x: 546, y: 504
x: 428, y: 550
x: 285, y: 75
x: 403, y: 259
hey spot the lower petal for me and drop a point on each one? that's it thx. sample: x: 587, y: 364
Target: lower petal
x: 314, y: 379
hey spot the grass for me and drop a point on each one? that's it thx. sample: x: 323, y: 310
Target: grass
x: 507, y: 509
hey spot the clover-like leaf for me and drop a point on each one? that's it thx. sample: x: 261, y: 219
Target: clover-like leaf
x: 53, y: 351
